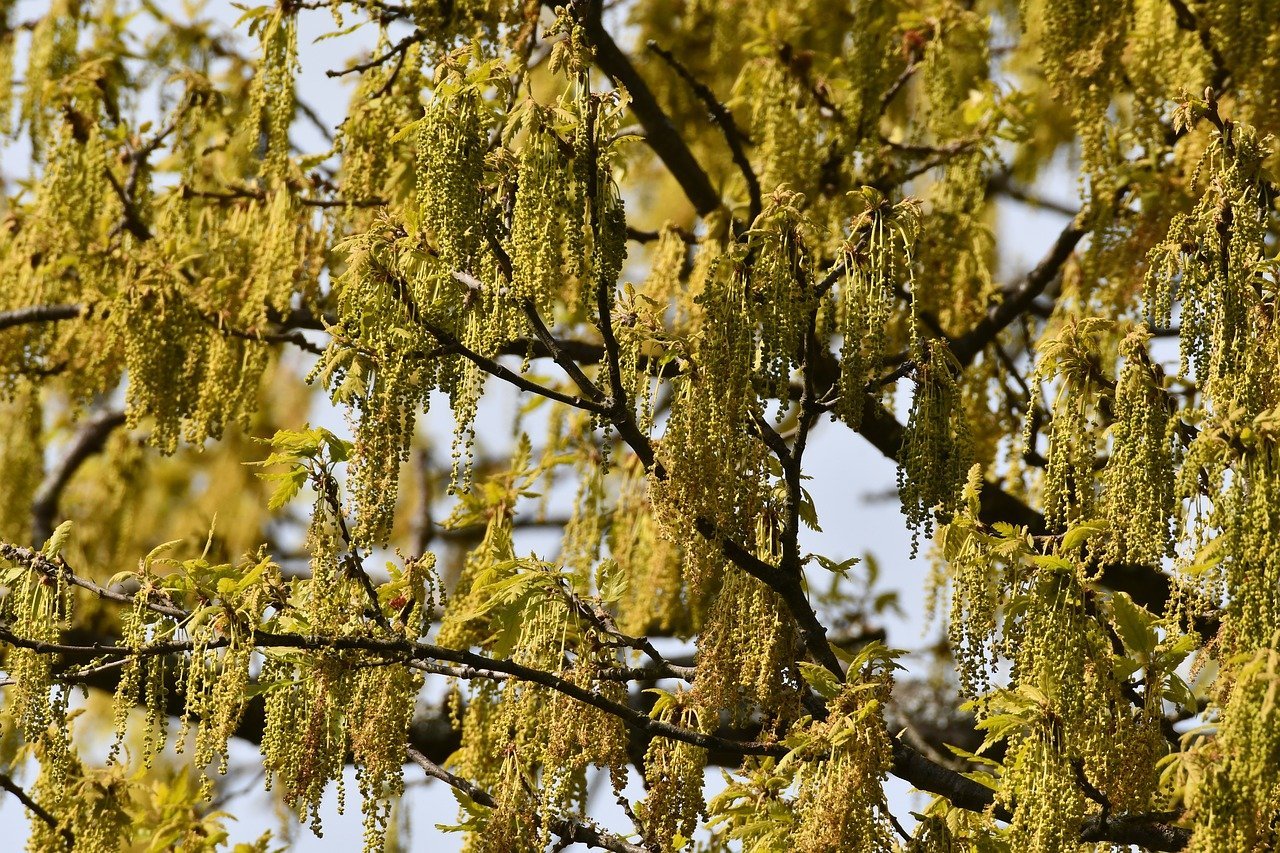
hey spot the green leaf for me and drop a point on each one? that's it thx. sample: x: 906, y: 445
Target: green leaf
x: 1179, y: 693
x: 259, y: 688
x: 840, y: 568
x: 291, y: 482
x: 666, y: 700
x: 158, y: 551
x: 1076, y: 536
x: 1053, y: 561
x: 820, y: 679
x: 969, y: 756
x: 1005, y: 530
x: 1134, y: 623
x: 57, y: 541
x: 808, y: 512
x: 611, y: 581
x: 886, y: 601
x: 1123, y: 667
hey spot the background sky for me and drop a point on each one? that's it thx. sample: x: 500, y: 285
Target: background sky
x: 853, y: 487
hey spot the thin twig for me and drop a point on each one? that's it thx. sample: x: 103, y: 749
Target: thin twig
x: 36, y: 809
x: 400, y: 290
x: 415, y: 37
x: 733, y: 135
x: 571, y: 830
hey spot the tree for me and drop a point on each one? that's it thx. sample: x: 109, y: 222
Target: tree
x: 690, y: 235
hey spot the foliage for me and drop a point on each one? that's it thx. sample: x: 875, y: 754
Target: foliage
x: 694, y: 237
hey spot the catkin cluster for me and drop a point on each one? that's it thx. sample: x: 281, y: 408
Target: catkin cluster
x: 1138, y: 482
x: 936, y: 453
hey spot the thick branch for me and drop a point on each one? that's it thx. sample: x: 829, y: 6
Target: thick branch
x: 1015, y: 304
x: 660, y: 133
x: 90, y: 440
x: 39, y: 314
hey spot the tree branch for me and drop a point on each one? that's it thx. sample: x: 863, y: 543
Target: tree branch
x: 967, y: 347
x: 401, y: 291
x: 660, y: 133
x: 36, y: 809
x: 90, y: 439
x: 40, y: 314
x: 723, y: 118
x: 908, y: 764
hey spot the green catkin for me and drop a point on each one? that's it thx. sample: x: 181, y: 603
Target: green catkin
x: 745, y: 649
x: 451, y: 145
x: 667, y: 263
x: 785, y: 122
x: 386, y: 389
x: 1075, y: 719
x: 8, y: 43
x: 607, y: 214
x: 545, y: 630
x: 511, y: 824
x: 674, y: 779
x: 1045, y: 780
x: 1233, y: 799
x: 639, y: 324
x: 655, y: 597
x: 779, y: 292
x: 271, y: 99
x: 156, y: 688
x: 1070, y: 359
x: 1215, y: 255
x: 1081, y: 45
x: 92, y: 808
x: 216, y: 680
x: 840, y: 804
x: 714, y: 466
x: 748, y: 644
x: 38, y: 607
x: 1248, y: 513
x: 875, y: 258
x: 1247, y: 41
x: 936, y: 453
x: 976, y: 576
x: 72, y: 204
x: 584, y: 534
x: 1138, y: 482
x: 959, y: 247
x: 583, y: 736
x: 304, y: 745
x: 21, y: 459
x: 50, y: 57
x: 434, y: 274
x: 543, y: 216
x: 133, y: 634
x: 377, y: 722
x: 375, y: 165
